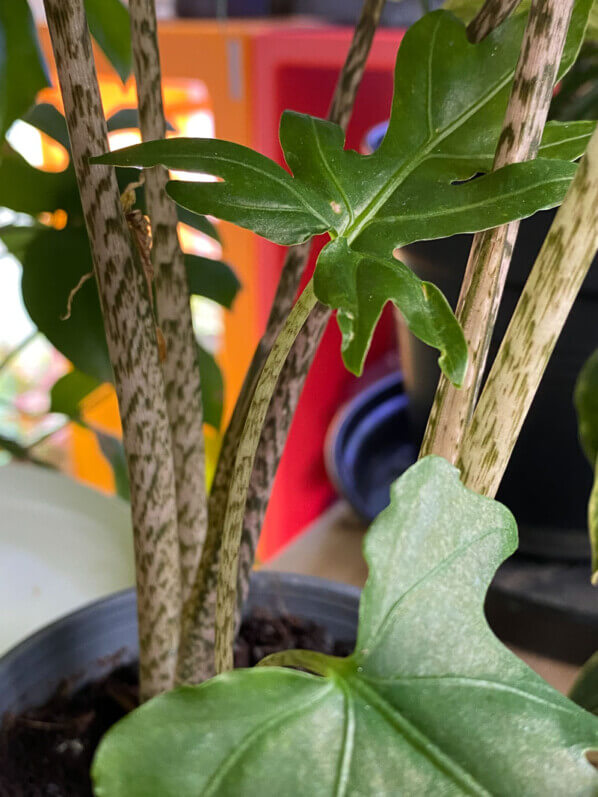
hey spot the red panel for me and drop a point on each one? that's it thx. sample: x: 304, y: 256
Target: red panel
x: 297, y: 69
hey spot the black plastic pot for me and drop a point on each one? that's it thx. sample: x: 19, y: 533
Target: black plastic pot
x: 548, y: 480
x: 91, y: 642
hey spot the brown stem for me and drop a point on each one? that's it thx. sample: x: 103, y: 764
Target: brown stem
x: 198, y: 635
x: 131, y: 337
x: 490, y: 256
x: 180, y: 367
x: 490, y: 16
x: 529, y: 341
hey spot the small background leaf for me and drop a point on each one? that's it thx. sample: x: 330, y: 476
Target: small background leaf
x: 109, y: 25
x: 212, y: 388
x: 212, y: 278
x: 69, y: 391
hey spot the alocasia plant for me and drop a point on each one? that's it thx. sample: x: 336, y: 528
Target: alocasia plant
x: 430, y: 702
x: 417, y: 185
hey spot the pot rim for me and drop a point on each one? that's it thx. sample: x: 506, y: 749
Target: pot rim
x: 295, y: 582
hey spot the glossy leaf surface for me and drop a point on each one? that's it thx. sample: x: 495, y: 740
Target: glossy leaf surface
x: 430, y: 702
x: 586, y: 404
x: 449, y: 102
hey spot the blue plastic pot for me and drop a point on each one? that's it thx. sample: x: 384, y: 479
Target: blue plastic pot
x: 369, y: 445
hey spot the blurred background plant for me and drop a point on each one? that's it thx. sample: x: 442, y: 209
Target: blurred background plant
x: 55, y: 374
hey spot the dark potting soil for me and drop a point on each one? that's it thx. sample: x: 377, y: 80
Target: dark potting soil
x: 47, y: 751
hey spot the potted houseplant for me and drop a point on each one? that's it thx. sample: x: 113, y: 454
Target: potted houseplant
x: 429, y: 701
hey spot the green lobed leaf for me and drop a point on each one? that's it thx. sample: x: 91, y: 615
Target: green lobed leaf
x: 212, y: 278
x: 449, y: 103
x: 430, y: 702
x: 361, y: 284
x: 22, y: 68
x: 586, y: 405
x: 68, y: 392
x: 109, y: 25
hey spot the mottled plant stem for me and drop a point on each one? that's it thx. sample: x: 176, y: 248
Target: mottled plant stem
x: 180, y: 366
x: 197, y: 661
x: 226, y: 602
x: 539, y: 317
x: 491, y: 251
x: 490, y: 16
x: 131, y: 337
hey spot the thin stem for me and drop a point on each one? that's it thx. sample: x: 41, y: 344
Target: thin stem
x: 18, y: 349
x: 196, y: 659
x: 489, y: 17
x: 226, y: 602
x: 180, y: 366
x: 490, y: 256
x: 539, y: 317
x: 131, y: 338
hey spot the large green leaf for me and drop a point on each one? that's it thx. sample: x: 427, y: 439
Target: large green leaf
x: 586, y: 404
x: 430, y: 702
x: 22, y: 69
x: 449, y: 102
x: 108, y: 22
x: 212, y: 278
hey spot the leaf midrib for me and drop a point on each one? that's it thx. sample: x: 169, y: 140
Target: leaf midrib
x: 418, y: 741
x: 448, y: 211
x: 244, y: 745
x: 285, y: 183
x: 399, y: 176
x: 455, y: 554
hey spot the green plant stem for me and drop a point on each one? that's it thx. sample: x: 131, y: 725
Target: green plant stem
x: 196, y: 655
x: 539, y: 317
x: 131, y: 338
x: 226, y: 602
x: 180, y: 366
x: 491, y: 251
x: 490, y: 16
